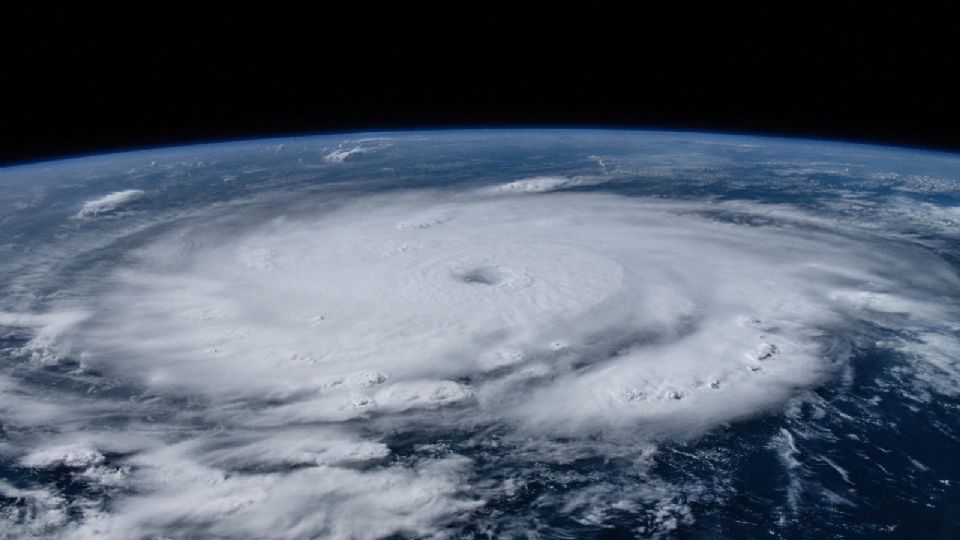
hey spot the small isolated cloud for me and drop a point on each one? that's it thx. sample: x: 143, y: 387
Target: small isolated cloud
x: 350, y: 148
x: 109, y: 203
x: 340, y: 155
x: 542, y: 184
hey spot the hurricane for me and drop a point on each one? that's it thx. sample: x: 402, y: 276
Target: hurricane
x: 479, y: 335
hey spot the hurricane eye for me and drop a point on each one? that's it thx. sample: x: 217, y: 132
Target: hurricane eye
x: 480, y: 276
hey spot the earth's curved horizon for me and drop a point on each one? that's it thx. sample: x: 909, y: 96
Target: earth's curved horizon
x: 530, y: 333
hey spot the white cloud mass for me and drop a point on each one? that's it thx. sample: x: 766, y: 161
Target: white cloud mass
x: 276, y: 361
x: 542, y: 184
x: 109, y: 203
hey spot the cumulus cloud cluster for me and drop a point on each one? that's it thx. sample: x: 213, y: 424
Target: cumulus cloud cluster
x: 279, y: 363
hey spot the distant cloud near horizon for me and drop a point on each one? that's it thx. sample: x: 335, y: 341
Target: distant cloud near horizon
x: 109, y: 203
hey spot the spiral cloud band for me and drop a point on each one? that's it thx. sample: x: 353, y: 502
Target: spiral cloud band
x: 564, y: 313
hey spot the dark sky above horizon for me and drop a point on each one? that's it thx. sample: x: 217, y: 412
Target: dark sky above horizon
x: 90, y: 93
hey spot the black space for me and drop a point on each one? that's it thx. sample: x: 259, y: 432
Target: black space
x: 887, y: 77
